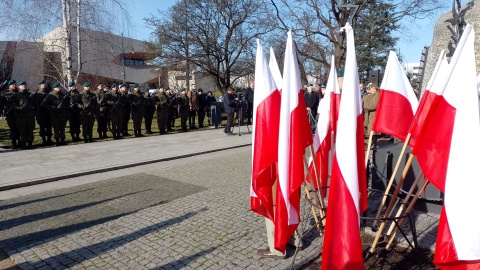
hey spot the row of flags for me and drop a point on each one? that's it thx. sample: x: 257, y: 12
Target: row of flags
x: 437, y: 128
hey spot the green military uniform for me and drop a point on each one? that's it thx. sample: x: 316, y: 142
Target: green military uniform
x: 183, y: 109
x: 89, y: 107
x: 102, y: 113
x: 160, y: 101
x: 149, y: 111
x: 126, y: 115
x: 25, y: 116
x: 57, y: 103
x: 75, y: 109
x: 172, y: 109
x: 8, y: 101
x: 135, y: 99
x: 116, y: 106
x: 42, y: 115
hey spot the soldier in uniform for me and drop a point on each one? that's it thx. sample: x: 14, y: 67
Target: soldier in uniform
x: 25, y: 116
x: 75, y: 110
x: 89, y: 107
x: 9, y: 106
x: 202, y: 106
x: 43, y: 115
x: 135, y: 99
x: 102, y: 112
x: 126, y: 114
x: 149, y: 110
x: 116, y: 106
x: 160, y: 101
x: 183, y: 108
x: 57, y: 103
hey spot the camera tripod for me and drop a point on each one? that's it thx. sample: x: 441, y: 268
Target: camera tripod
x: 239, y: 116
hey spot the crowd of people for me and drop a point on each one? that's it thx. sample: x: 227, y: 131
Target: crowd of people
x: 111, y: 107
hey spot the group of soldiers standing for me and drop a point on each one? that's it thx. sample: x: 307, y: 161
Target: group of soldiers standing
x: 111, y: 108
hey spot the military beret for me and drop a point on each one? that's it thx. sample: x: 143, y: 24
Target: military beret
x: 122, y: 85
x: 86, y: 84
x: 134, y: 85
x: 322, y: 86
x: 23, y: 83
x: 310, y: 85
x: 167, y: 88
x: 114, y: 84
x: 146, y: 89
x: 70, y: 84
x: 340, y: 73
x: 55, y: 84
x: 11, y: 82
x: 99, y: 83
x: 161, y: 86
x: 183, y: 89
x: 41, y: 82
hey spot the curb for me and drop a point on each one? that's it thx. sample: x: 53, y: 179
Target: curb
x: 49, y: 179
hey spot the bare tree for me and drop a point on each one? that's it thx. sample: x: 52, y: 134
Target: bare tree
x: 317, y: 23
x: 214, y: 36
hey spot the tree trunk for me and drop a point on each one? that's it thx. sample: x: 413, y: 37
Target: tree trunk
x: 79, y: 43
x: 68, y: 40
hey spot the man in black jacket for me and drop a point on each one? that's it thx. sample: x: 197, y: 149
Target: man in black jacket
x: 311, y: 100
x: 229, y: 105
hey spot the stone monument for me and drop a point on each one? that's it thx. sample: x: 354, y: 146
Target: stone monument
x: 442, y: 35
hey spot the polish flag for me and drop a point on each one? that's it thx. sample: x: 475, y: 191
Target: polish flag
x: 294, y: 136
x: 322, y: 140
x: 397, y: 103
x: 266, y: 120
x: 444, y: 153
x: 342, y: 247
x: 441, y: 68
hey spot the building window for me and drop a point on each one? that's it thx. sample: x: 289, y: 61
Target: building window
x: 133, y: 62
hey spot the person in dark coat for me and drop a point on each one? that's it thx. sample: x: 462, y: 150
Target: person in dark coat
x: 89, y: 107
x: 230, y: 105
x: 75, y: 110
x: 311, y: 100
x: 57, y: 103
x: 249, y: 93
x: 209, y: 100
x: 172, y: 108
x: 8, y: 101
x: 183, y: 108
x: 102, y: 112
x: 24, y: 107
x: 202, y: 107
x: 42, y: 115
x: 160, y: 102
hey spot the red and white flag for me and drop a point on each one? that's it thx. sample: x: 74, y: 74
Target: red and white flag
x: 294, y: 137
x: 446, y: 155
x: 347, y: 199
x: 322, y: 140
x: 266, y: 120
x: 441, y: 68
x: 397, y: 103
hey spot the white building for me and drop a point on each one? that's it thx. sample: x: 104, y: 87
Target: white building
x: 413, y: 69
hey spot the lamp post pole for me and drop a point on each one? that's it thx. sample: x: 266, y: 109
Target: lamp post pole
x: 123, y: 60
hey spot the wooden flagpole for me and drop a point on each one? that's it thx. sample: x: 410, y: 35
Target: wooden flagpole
x: 404, y: 202
x: 368, y: 148
x: 317, y: 178
x: 409, y: 209
x: 390, y: 182
x: 392, y: 202
x: 322, y: 214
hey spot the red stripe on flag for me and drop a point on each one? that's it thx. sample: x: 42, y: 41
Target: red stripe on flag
x: 362, y: 175
x: 342, y: 244
x: 394, y: 114
x: 434, y: 141
x: 419, y: 118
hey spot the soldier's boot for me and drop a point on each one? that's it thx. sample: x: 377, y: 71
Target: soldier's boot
x: 49, y: 140
x: 105, y: 135
x: 85, y: 139
x: 44, y: 140
x: 100, y: 135
x: 22, y: 145
x: 29, y: 145
x: 14, y: 144
x: 62, y: 141
x: 78, y: 137
x: 90, y: 138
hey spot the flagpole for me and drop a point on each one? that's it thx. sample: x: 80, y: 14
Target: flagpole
x: 368, y: 148
x: 392, y: 178
x: 404, y: 202
x: 322, y: 215
x: 392, y: 202
x: 317, y: 176
x: 407, y: 212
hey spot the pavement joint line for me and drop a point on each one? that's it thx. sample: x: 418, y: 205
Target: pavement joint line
x: 48, y: 179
